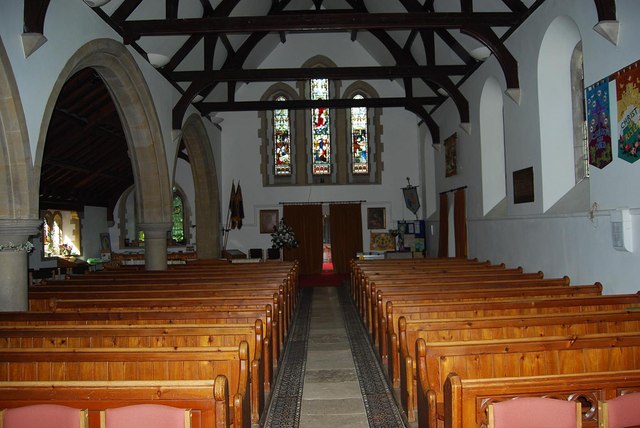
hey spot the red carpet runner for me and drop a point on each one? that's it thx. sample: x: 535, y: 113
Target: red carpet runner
x: 324, y: 279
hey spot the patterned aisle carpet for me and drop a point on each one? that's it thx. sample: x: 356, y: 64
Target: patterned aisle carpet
x: 379, y: 404
x: 286, y: 401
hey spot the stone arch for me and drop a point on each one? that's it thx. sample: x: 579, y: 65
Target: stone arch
x: 131, y: 95
x: 16, y: 174
x: 205, y: 180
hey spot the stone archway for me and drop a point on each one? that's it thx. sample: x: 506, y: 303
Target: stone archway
x: 131, y: 95
x: 19, y: 207
x: 16, y: 177
x: 207, y: 200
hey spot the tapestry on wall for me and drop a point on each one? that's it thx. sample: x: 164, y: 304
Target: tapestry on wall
x: 628, y: 88
x: 598, y: 119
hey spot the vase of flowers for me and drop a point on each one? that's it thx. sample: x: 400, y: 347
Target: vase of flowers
x: 283, y: 237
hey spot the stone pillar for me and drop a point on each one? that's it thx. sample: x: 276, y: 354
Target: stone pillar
x: 155, y: 245
x: 14, y: 262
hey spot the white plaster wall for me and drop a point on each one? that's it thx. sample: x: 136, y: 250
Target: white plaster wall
x: 94, y: 222
x: 573, y: 244
x: 241, y: 148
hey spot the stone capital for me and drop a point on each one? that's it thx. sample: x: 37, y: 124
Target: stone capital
x: 16, y: 232
x: 155, y: 230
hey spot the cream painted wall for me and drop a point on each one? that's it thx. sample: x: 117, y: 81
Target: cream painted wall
x: 241, y: 148
x: 574, y: 244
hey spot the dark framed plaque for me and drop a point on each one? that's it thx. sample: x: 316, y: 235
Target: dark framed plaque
x: 523, y: 186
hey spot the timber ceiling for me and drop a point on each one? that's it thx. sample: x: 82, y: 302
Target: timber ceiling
x: 215, y: 46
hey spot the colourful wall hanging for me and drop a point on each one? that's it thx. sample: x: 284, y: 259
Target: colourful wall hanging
x: 599, y: 126
x: 628, y: 89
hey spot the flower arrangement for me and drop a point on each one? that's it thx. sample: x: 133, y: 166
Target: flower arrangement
x: 68, y: 249
x: 283, y: 236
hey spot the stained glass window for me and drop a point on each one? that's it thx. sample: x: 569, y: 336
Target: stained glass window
x: 282, y: 139
x: 359, y: 139
x: 177, y: 220
x: 320, y: 130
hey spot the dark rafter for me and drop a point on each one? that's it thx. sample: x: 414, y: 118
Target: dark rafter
x: 515, y: 6
x: 283, y: 74
x: 317, y: 22
x: 606, y: 10
x: 421, y: 19
x: 209, y: 107
x: 506, y: 60
x: 34, y: 14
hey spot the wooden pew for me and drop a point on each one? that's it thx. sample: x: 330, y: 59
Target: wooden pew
x: 208, y: 400
x: 466, y: 400
x: 187, y: 316
x: 381, y: 293
x: 498, y: 328
x: 280, y: 315
x: 399, y: 282
x: 518, y: 357
x: 359, y: 269
x: 388, y: 337
x: 135, y: 364
x: 150, y: 336
x: 488, y: 308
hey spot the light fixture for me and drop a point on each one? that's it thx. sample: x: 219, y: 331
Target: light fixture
x: 480, y: 53
x: 96, y: 3
x: 197, y: 98
x: 158, y: 60
x: 442, y: 92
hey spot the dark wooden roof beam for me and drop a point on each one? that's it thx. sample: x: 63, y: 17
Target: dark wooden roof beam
x: 209, y: 107
x: 316, y: 22
x: 345, y: 73
x: 515, y: 6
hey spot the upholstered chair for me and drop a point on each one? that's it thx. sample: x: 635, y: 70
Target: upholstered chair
x: 145, y: 416
x: 620, y: 412
x: 43, y: 415
x: 535, y: 412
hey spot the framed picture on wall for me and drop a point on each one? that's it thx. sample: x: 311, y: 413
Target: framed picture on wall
x: 523, y: 186
x: 382, y: 241
x: 268, y: 220
x: 105, y: 243
x: 376, y: 218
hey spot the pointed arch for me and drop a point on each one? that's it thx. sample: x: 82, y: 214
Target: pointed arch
x: 375, y: 130
x: 205, y: 181
x: 131, y: 95
x: 492, y: 154
x: 267, y: 168
x: 16, y: 174
x: 555, y: 109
